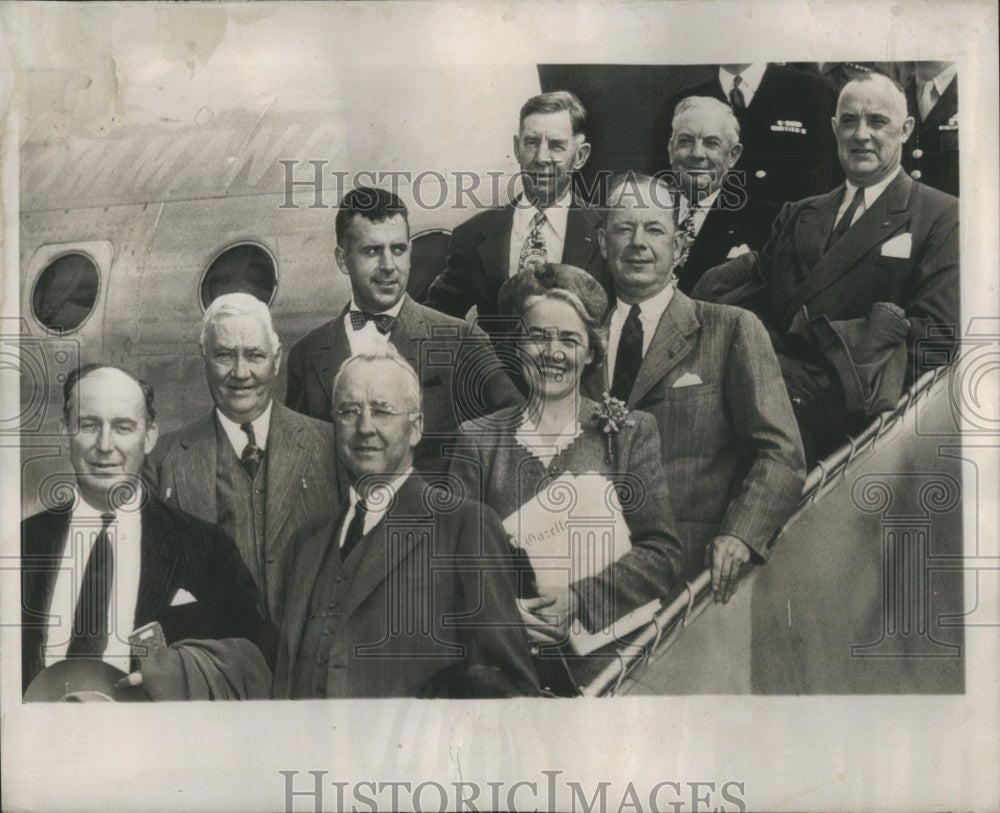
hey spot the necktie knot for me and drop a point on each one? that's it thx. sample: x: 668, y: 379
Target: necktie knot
x: 356, y: 528
x: 736, y: 97
x: 847, y: 218
x: 928, y: 98
x: 383, y: 321
x: 252, y: 453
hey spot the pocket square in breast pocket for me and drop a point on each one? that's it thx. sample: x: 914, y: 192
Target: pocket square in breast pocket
x: 899, y: 246
x: 182, y: 596
x: 687, y: 380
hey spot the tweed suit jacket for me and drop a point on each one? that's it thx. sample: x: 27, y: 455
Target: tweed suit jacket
x: 504, y: 475
x: 460, y: 375
x: 903, y: 250
x: 728, y: 437
x: 479, y: 259
x: 301, y: 475
x: 178, y: 551
x: 439, y: 565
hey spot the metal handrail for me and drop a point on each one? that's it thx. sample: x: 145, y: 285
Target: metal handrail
x: 667, y: 625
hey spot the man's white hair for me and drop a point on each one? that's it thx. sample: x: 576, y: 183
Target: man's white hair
x: 708, y: 104
x: 898, y: 94
x: 389, y: 355
x: 238, y: 304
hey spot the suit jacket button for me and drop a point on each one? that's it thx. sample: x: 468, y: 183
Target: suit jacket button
x: 916, y: 174
x: 760, y: 173
x: 918, y: 153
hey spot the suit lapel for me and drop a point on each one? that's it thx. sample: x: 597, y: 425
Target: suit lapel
x: 494, y: 250
x: 287, y: 455
x: 194, y: 471
x: 308, y: 563
x: 408, y: 331
x: 812, y: 229
x: 887, y: 216
x: 377, y: 557
x: 581, y: 230
x: 668, y: 347
x: 157, y: 563
x: 335, y: 348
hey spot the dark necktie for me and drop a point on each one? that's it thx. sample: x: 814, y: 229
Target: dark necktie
x: 629, y: 356
x: 355, y: 530
x: 383, y: 321
x: 736, y: 97
x: 252, y: 453
x: 845, y: 221
x: 90, y: 621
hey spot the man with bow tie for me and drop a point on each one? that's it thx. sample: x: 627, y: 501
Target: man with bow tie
x: 730, y: 446
x: 108, y: 557
x: 255, y: 467
x: 858, y: 287
x: 460, y: 375
x: 547, y: 223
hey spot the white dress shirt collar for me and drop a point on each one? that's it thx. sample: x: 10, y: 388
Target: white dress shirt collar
x: 650, y: 313
x: 377, y: 508
x: 750, y: 79
x: 238, y: 438
x: 942, y: 79
x: 546, y: 447
x: 871, y: 194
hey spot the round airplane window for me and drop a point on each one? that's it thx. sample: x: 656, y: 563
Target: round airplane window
x: 66, y: 292
x: 245, y: 268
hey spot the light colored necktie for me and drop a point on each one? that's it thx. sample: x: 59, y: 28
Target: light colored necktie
x: 928, y: 98
x: 533, y: 249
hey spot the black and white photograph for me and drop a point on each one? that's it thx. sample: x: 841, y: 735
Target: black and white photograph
x: 492, y: 406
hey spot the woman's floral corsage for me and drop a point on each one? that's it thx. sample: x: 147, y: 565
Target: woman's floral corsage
x: 611, y: 415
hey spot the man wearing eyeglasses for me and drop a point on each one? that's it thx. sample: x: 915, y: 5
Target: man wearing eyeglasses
x: 254, y: 467
x: 459, y: 373
x: 407, y: 579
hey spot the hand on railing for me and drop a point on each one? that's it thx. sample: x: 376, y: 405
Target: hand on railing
x: 725, y: 556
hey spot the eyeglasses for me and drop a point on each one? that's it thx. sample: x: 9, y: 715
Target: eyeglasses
x: 380, y: 413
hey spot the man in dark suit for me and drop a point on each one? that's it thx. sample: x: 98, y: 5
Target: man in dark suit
x: 708, y: 375
x: 787, y: 149
x: 547, y: 223
x: 876, y: 259
x: 931, y: 155
x: 724, y: 221
x: 405, y: 580
x: 461, y: 377
x: 110, y: 558
x: 253, y: 466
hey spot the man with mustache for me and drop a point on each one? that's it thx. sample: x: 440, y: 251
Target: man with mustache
x: 547, y: 223
x: 460, y: 375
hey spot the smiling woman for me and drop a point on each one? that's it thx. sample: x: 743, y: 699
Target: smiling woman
x: 580, y: 486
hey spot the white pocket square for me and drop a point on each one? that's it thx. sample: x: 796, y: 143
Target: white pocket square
x: 182, y: 596
x: 736, y: 251
x: 687, y: 380
x: 898, y: 246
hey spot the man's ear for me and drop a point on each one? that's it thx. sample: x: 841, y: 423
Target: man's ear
x: 582, y: 154
x: 735, y: 153
x: 602, y: 241
x: 277, y: 359
x: 908, y: 124
x: 152, y: 433
x: 341, y: 257
x: 418, y: 429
